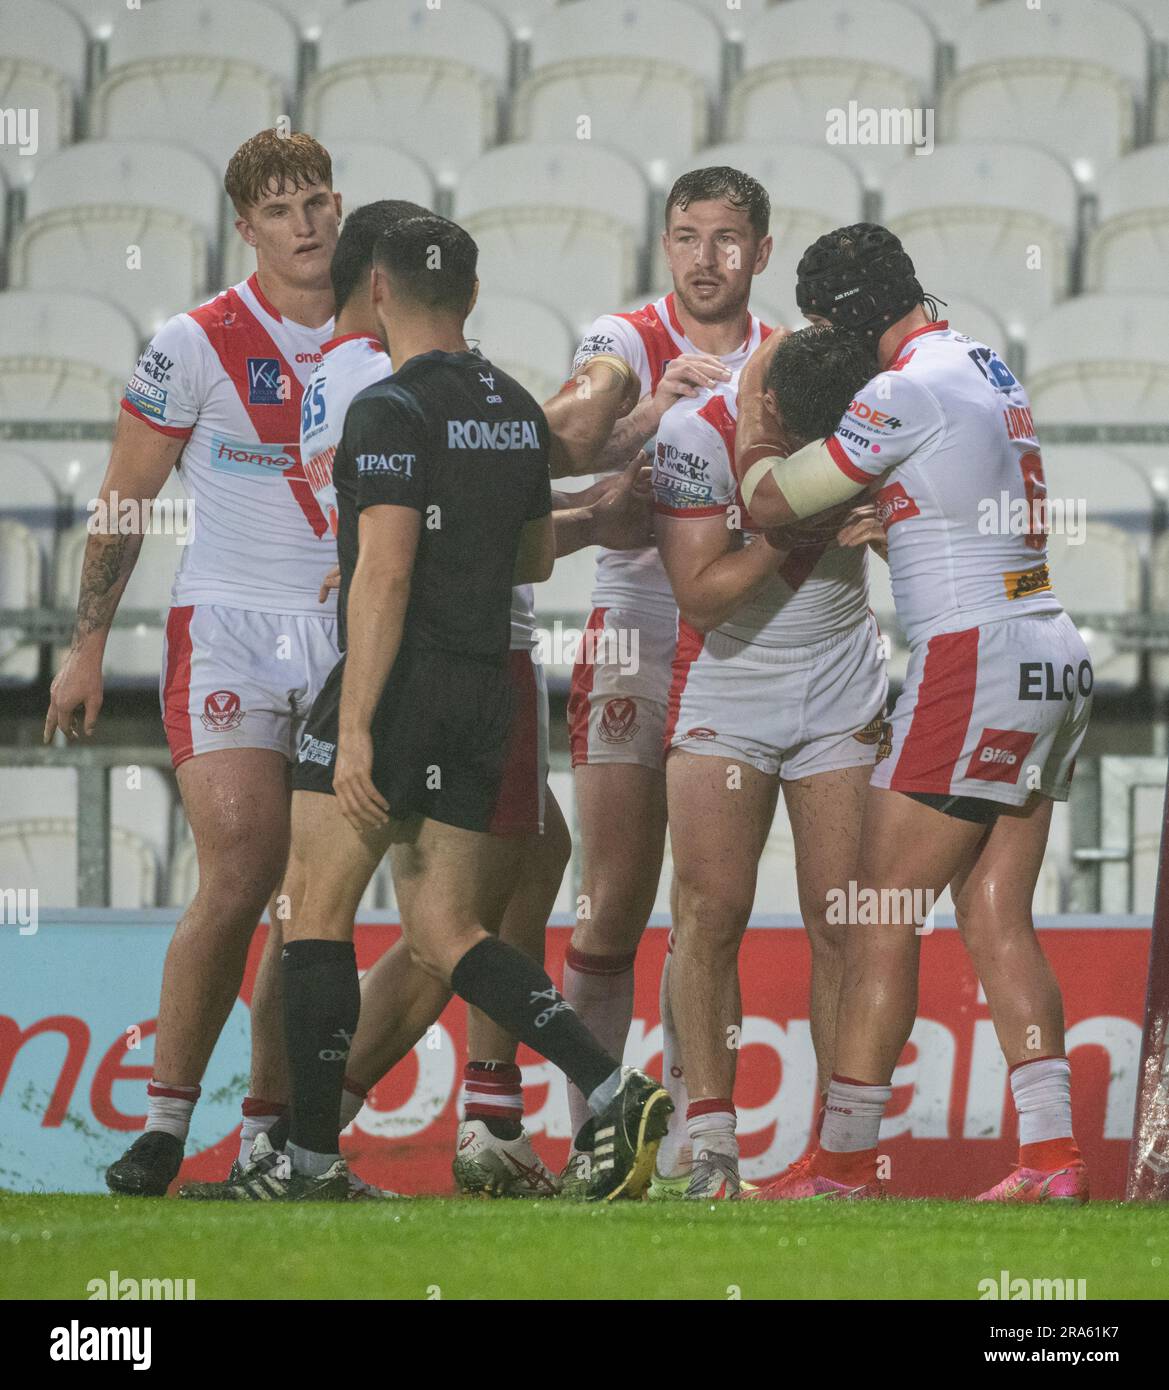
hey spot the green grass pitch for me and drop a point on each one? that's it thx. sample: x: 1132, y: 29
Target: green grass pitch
x: 52, y: 1246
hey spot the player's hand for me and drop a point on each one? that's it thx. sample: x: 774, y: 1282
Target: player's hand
x: 686, y: 376
x: 861, y: 527
x: 821, y: 529
x: 622, y: 516
x: 332, y: 580
x: 362, y: 805
x: 77, y: 690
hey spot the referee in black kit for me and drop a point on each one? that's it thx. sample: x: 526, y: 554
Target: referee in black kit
x: 444, y: 504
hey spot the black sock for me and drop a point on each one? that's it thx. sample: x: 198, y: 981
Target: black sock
x: 513, y: 991
x: 321, y: 1004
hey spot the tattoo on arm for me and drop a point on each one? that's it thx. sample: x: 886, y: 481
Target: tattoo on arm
x: 104, y: 571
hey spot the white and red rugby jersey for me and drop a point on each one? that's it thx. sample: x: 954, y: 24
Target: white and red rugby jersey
x: 227, y: 377
x: 648, y: 340
x: 348, y: 365
x: 954, y: 426
x: 819, y: 590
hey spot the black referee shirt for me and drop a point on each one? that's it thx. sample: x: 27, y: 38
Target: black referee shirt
x: 464, y: 444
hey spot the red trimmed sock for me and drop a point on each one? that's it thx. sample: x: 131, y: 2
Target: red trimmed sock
x: 493, y: 1093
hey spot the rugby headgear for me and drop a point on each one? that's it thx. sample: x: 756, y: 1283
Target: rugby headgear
x: 859, y: 278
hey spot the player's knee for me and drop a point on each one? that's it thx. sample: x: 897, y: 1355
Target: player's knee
x: 610, y: 920
x: 827, y: 939
x: 235, y: 893
x: 711, y: 920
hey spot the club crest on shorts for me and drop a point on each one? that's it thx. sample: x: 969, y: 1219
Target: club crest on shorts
x: 221, y: 711
x: 619, y: 720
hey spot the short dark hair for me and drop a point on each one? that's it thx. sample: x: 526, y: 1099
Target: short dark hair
x: 815, y: 375
x: 431, y: 260
x: 354, y: 254
x: 720, y: 183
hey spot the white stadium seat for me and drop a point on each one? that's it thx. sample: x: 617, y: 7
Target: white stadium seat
x: 202, y: 73
x: 976, y: 321
x: 994, y: 221
x: 63, y: 358
x: 811, y: 192
x: 20, y: 587
x: 42, y: 854
x: 642, y: 76
x: 363, y: 172
x: 1066, y: 76
x: 1104, y: 359
x: 42, y: 72
x: 807, y: 63
x: 1129, y: 249
x: 521, y: 16
x: 525, y: 338
x: 126, y: 220
x: 27, y: 495
x: 946, y: 17
x: 558, y: 222
x: 98, y: 16
x: 430, y: 79
x: 309, y: 16
x: 1154, y: 14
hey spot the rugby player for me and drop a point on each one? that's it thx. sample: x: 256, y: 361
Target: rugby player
x: 216, y: 394
x: 715, y: 241
x: 995, y: 705
x: 444, y: 503
x: 779, y: 681
x: 399, y: 999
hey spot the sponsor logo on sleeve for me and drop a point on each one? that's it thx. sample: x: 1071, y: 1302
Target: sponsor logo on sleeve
x: 155, y: 365
x: 894, y: 504
x: 1000, y: 755
x: 868, y: 417
x: 593, y: 346
x: 400, y: 464
x: 264, y: 381
x: 1023, y: 583
x: 682, y: 477
x: 146, y: 397
x: 253, y: 460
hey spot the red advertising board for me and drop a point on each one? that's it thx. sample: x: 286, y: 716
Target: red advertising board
x: 950, y: 1130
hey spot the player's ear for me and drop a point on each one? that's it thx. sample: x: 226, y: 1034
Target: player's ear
x: 244, y: 228
x: 763, y: 255
x: 770, y: 404
x: 474, y: 297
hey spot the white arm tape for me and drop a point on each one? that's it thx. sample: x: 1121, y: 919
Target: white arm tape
x: 810, y: 480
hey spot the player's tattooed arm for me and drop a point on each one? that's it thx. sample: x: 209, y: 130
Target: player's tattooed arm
x: 711, y: 578
x: 140, y: 461
x: 582, y: 414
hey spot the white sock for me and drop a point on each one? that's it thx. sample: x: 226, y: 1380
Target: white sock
x: 169, y: 1107
x: 259, y: 1117
x: 675, y: 1153
x: 852, y: 1116
x: 307, y: 1161
x: 1043, y: 1099
x: 711, y: 1126
x: 600, y: 989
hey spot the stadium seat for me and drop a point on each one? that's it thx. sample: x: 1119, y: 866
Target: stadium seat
x: 205, y: 75
x: 811, y: 192
x: 947, y: 17
x: 1154, y: 14
x: 309, y: 16
x: 42, y: 73
x: 977, y: 322
x: 1101, y: 578
x: 1129, y: 249
x: 527, y: 339
x: 64, y: 359
x: 20, y: 587
x: 42, y: 854
x: 559, y: 222
x: 142, y: 799
x: 27, y: 495
x: 128, y: 221
x: 1066, y: 76
x: 432, y: 78
x: 994, y: 221
x: 803, y: 57
x: 97, y: 15
x: 1104, y: 360
x: 521, y: 15
x: 642, y: 76
x: 363, y: 172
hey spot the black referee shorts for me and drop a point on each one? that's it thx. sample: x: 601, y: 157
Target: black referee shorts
x: 440, y: 736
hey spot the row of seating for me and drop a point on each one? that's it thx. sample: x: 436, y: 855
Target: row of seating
x: 574, y: 224
x: 1082, y: 78
x: 153, y: 859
